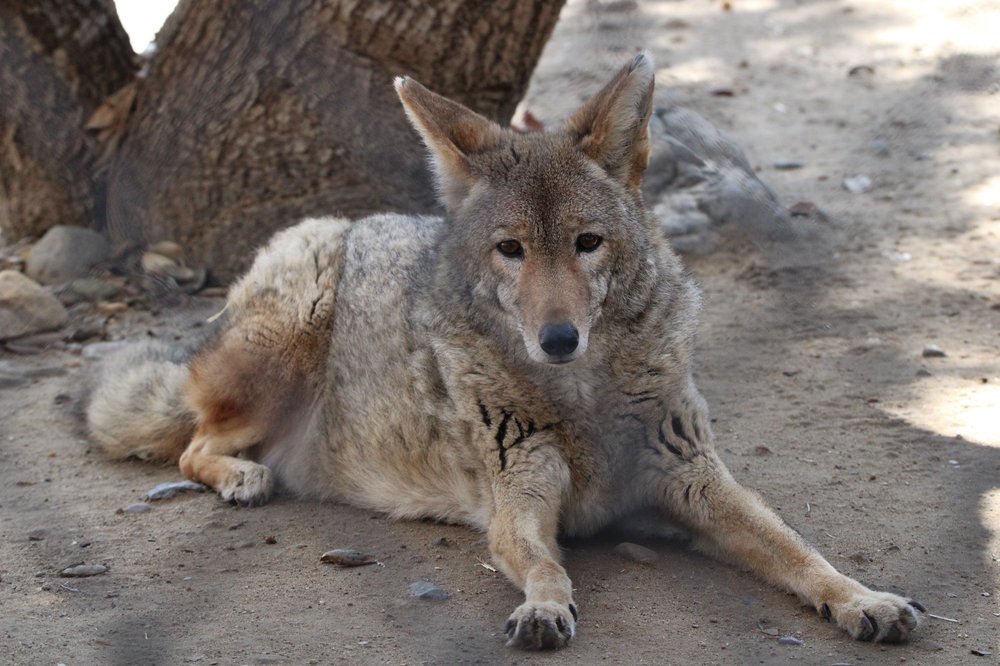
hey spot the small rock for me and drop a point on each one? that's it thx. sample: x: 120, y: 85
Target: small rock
x: 138, y: 507
x: 83, y: 570
x: 880, y: 147
x: 788, y: 165
x: 761, y: 450
x: 924, y: 372
x: 861, y: 71
x: 429, y: 591
x: 94, y: 289
x: 933, y: 351
x: 722, y: 91
x: 32, y: 371
x: 980, y: 653
x: 7, y: 381
x: 83, y: 543
x: 26, y: 307
x: 110, y: 309
x: 807, y: 209
x: 65, y: 253
x: 168, y: 249
x: 791, y: 372
x: 789, y: 640
x: 346, y: 557
x: 270, y: 540
x: 858, y: 184
x: 165, y: 491
x: 38, y: 534
x: 636, y: 553
x: 893, y: 255
x: 441, y: 542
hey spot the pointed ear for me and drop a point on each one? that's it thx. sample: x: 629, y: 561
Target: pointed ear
x: 612, y: 127
x: 454, y: 135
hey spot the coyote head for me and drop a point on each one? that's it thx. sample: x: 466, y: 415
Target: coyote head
x: 546, y: 229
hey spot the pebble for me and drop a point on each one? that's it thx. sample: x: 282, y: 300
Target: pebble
x: 789, y: 640
x: 38, y: 534
x: 83, y: 570
x: 93, y: 289
x: 636, y: 553
x: 924, y: 372
x: 65, y: 253
x: 441, y: 542
x: 346, y: 557
x: 933, y: 351
x: 980, y: 653
x: 858, y: 184
x: 26, y: 307
x: 788, y: 165
x: 165, y: 491
x: 138, y: 507
x: 429, y: 591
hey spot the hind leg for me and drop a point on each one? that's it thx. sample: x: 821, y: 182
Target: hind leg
x: 265, y: 371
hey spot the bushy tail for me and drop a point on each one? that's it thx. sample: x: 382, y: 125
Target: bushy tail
x: 137, y: 408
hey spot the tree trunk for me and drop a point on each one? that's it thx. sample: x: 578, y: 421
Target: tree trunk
x: 256, y: 113
x: 59, y: 59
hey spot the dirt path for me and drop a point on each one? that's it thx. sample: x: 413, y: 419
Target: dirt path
x: 810, y: 357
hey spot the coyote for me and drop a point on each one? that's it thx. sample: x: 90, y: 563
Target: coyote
x: 522, y: 365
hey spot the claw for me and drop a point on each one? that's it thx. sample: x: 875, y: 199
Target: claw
x: 824, y: 612
x: 917, y: 605
x: 572, y: 609
x: 869, y: 628
x: 510, y: 627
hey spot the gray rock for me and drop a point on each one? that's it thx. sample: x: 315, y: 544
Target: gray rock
x: 695, y: 162
x: 789, y: 640
x: 167, y: 490
x: 38, y: 534
x: 933, y: 351
x: 636, y: 553
x: 858, y: 184
x: 83, y: 570
x: 94, y: 289
x: 138, y: 507
x: 26, y: 307
x: 429, y: 591
x: 65, y: 253
x: 31, y: 372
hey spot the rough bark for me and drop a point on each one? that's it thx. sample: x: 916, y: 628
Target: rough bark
x: 256, y: 113
x: 59, y: 59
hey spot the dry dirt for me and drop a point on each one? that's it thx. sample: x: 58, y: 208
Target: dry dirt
x: 810, y: 350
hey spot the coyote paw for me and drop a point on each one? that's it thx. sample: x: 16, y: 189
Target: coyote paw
x: 246, y: 483
x: 880, y: 617
x: 541, y: 626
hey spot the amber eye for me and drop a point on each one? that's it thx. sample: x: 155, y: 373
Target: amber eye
x: 510, y: 248
x: 588, y: 242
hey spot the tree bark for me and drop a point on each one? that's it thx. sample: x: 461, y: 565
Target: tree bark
x: 254, y: 113
x: 59, y: 59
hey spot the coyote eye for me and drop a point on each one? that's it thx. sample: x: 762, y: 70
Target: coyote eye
x: 510, y: 248
x: 588, y: 242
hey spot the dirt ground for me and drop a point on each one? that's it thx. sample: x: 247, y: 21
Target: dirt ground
x: 810, y: 355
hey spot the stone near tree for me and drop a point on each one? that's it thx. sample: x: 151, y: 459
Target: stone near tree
x: 66, y: 253
x: 26, y: 307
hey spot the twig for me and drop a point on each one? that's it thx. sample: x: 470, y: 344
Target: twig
x: 68, y: 588
x: 939, y: 617
x: 485, y: 566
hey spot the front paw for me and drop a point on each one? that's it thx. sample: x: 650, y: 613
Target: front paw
x: 547, y: 625
x: 880, y: 617
x: 247, y: 483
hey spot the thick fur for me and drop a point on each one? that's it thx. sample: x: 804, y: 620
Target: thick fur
x: 395, y: 363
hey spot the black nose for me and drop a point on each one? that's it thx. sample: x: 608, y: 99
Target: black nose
x: 559, y: 339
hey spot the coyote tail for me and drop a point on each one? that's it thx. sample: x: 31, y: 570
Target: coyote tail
x: 137, y: 408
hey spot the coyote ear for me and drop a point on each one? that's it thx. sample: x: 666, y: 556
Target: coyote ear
x: 453, y: 134
x: 612, y: 127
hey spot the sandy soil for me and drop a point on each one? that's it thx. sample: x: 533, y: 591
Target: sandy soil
x: 810, y: 350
